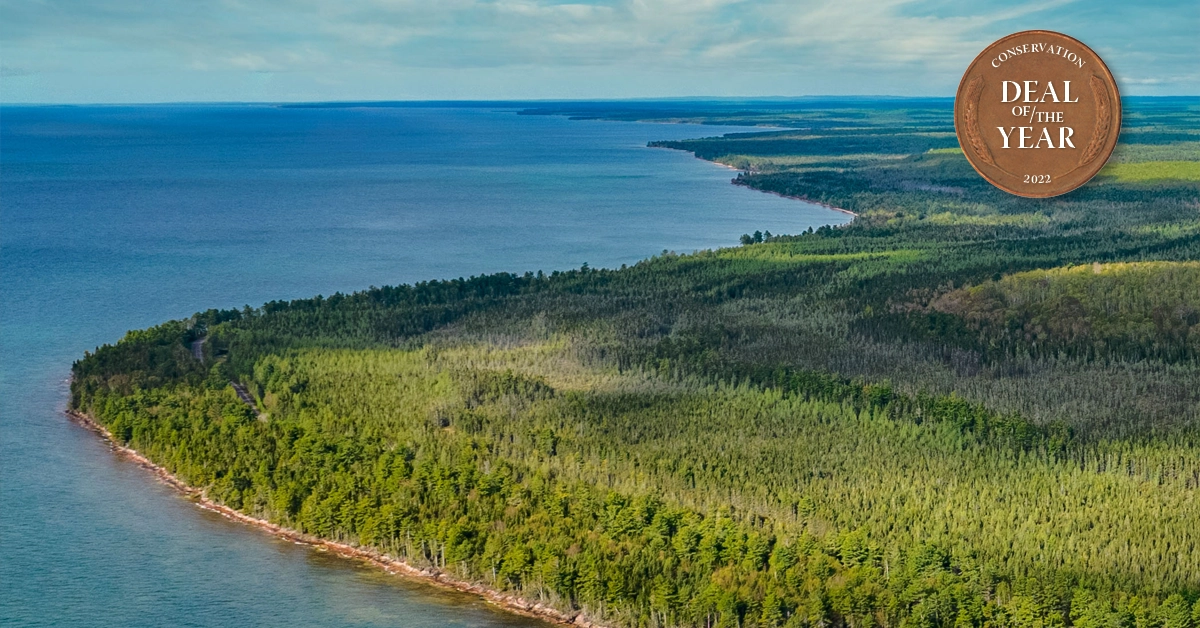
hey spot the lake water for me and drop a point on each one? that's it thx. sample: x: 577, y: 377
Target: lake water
x: 113, y: 218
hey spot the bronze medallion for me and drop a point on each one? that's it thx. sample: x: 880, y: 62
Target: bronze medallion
x: 1037, y: 114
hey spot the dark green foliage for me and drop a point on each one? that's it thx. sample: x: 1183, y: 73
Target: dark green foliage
x: 962, y: 409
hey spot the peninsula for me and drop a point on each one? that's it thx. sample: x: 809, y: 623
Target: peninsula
x: 963, y: 408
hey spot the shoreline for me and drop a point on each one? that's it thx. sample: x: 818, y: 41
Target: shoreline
x: 394, y: 566
x: 798, y: 198
x: 779, y: 194
x: 506, y: 602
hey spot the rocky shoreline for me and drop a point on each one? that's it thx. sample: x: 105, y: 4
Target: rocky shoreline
x: 392, y: 565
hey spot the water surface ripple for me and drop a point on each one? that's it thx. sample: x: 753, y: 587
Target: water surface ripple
x: 116, y: 218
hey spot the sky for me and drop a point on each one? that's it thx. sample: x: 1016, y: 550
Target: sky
x: 126, y: 51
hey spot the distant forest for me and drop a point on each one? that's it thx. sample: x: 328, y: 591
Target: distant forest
x: 963, y: 408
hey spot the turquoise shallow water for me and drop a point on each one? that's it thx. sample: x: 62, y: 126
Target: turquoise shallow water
x: 114, y: 218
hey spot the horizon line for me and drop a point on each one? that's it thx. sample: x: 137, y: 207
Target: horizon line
x: 494, y: 101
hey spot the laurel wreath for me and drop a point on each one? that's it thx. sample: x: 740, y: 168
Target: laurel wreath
x: 1103, y: 121
x: 971, y: 119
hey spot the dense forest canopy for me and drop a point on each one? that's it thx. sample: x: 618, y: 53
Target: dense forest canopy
x: 964, y: 408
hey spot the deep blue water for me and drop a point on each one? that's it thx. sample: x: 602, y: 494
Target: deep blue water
x: 113, y: 218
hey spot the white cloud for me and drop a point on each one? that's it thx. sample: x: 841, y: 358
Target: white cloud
x: 404, y: 48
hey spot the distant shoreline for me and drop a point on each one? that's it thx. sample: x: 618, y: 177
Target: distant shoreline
x: 789, y: 196
x: 389, y: 564
x: 800, y: 198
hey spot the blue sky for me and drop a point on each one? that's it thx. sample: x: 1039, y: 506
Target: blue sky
x: 289, y: 50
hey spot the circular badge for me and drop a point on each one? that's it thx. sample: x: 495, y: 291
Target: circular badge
x: 1037, y: 114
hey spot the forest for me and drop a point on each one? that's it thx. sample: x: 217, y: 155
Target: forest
x: 963, y: 408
